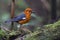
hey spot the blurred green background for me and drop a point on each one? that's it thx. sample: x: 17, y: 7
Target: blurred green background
x: 47, y: 12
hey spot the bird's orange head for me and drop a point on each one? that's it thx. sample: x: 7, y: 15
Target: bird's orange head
x: 28, y: 10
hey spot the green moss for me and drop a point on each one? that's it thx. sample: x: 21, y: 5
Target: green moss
x: 49, y: 32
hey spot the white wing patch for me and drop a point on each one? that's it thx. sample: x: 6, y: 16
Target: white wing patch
x: 24, y: 18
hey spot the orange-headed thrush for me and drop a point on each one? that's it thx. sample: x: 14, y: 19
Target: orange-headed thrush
x: 22, y: 18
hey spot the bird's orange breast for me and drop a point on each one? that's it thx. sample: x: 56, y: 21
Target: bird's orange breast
x: 28, y: 17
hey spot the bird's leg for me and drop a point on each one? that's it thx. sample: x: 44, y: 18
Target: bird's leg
x: 22, y: 33
x: 20, y: 26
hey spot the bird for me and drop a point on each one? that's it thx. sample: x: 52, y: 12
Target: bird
x: 23, y: 18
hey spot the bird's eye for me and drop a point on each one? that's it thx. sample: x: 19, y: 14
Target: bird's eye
x: 30, y: 11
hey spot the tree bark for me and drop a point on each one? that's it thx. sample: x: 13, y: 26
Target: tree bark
x: 12, y: 12
x: 53, y: 11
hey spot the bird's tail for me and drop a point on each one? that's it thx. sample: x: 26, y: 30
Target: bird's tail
x: 8, y: 21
